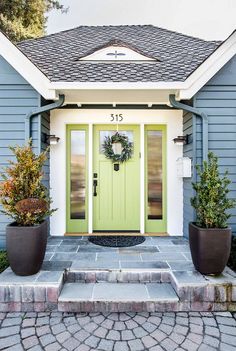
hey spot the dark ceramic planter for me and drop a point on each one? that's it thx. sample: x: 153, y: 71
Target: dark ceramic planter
x: 210, y: 248
x: 26, y: 247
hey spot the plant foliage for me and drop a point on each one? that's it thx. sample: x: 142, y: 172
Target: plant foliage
x: 22, y: 180
x: 25, y: 19
x: 127, y: 148
x: 3, y: 261
x: 211, y: 201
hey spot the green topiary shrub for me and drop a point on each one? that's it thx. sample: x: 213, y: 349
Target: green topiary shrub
x: 22, y: 193
x: 3, y: 261
x: 211, y: 201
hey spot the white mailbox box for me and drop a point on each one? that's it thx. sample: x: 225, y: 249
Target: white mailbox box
x: 184, y: 167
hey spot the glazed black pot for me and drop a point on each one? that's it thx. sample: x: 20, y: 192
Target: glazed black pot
x: 210, y: 248
x: 26, y: 247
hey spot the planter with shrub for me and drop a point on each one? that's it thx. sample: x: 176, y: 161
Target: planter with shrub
x: 210, y: 236
x: 25, y: 199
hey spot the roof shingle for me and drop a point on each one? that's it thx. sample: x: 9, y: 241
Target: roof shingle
x: 57, y: 55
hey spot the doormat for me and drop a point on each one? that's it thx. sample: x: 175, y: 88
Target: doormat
x: 117, y: 241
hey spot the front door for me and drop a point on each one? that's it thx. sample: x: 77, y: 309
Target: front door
x: 116, y: 193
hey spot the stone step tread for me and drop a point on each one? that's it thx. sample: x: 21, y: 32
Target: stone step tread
x: 115, y: 292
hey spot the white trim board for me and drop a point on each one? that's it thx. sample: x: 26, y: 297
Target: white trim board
x: 59, y: 120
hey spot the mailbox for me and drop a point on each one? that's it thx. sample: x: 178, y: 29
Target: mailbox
x: 184, y: 167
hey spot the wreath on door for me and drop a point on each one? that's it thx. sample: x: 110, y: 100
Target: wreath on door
x: 117, y: 141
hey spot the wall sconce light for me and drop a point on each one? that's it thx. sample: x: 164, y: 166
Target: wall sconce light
x: 181, y: 140
x: 52, y: 139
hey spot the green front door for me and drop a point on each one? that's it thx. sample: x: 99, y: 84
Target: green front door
x: 116, y: 199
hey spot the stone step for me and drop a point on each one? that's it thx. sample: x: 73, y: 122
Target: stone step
x: 118, y: 276
x: 117, y: 297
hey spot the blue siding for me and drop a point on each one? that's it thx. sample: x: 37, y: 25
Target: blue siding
x: 17, y: 98
x: 218, y: 99
x: 188, y: 129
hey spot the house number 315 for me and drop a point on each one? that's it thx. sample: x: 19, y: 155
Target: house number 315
x: 116, y: 117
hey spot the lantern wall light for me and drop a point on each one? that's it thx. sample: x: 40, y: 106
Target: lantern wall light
x: 50, y: 139
x: 181, y: 140
x: 53, y: 139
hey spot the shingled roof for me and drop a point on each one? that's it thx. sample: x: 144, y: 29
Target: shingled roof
x: 177, y: 55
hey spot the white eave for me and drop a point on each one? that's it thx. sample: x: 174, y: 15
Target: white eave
x: 209, y: 68
x: 183, y: 90
x: 26, y: 68
x: 117, y: 85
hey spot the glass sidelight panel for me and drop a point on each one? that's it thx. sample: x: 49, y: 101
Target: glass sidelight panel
x: 154, y: 175
x: 77, y: 174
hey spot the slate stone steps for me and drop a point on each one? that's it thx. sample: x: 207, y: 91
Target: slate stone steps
x: 116, y: 297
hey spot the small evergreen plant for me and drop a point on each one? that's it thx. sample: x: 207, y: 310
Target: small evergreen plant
x: 22, y: 185
x: 211, y: 201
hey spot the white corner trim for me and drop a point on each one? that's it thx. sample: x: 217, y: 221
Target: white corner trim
x: 25, y: 68
x: 209, y: 68
x: 115, y: 53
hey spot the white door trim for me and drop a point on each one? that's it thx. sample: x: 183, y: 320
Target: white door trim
x: 142, y: 179
x: 90, y: 179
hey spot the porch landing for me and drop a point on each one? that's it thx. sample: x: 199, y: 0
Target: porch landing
x: 157, y: 275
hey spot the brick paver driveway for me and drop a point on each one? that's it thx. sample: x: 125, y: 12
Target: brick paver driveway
x: 119, y: 332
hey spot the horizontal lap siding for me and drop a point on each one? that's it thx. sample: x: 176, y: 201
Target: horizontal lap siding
x: 187, y: 182
x: 218, y: 99
x: 17, y: 98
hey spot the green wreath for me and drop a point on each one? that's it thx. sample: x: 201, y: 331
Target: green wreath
x: 127, y: 148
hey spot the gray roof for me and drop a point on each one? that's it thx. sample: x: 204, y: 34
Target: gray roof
x: 177, y: 55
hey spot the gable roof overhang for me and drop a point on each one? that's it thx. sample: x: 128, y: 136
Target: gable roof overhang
x: 15, y: 57
x: 183, y: 90
x: 208, y: 68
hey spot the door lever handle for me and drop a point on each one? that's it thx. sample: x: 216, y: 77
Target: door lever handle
x: 95, y: 183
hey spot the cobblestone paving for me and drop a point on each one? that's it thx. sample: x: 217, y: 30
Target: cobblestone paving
x: 119, y: 332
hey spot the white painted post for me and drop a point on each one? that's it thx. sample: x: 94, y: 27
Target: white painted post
x: 142, y: 179
x: 90, y: 180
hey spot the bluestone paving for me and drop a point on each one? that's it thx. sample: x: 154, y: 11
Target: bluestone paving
x: 76, y: 291
x: 81, y: 264
x: 56, y: 265
x: 126, y: 292
x: 161, y: 292
x: 110, y: 256
x: 144, y: 265
x: 181, y: 265
x: 66, y: 248
x: 163, y: 256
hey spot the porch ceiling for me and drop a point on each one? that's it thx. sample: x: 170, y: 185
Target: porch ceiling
x: 124, y: 96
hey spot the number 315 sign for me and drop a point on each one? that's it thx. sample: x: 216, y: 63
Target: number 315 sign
x: 116, y: 117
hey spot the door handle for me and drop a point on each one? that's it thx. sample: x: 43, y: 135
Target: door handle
x: 95, y: 183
